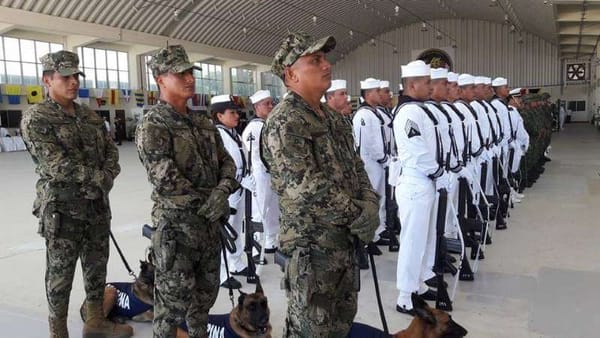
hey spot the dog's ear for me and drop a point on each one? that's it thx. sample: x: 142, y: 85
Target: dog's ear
x: 241, y: 299
x: 259, y: 288
x: 422, y: 310
x: 454, y: 330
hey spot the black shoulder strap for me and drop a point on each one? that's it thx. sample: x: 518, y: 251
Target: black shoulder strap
x: 482, y: 143
x: 374, y: 111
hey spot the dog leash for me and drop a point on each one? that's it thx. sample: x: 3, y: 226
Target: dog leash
x: 121, y: 254
x: 223, y: 250
x: 377, y: 293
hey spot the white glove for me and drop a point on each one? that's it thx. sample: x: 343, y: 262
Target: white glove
x: 249, y: 183
x: 465, y: 173
x: 442, y: 182
x: 394, y: 172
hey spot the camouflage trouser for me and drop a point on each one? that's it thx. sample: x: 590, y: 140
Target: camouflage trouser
x: 68, y: 239
x: 186, y: 251
x: 321, y: 293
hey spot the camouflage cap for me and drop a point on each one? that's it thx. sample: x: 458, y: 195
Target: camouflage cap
x: 64, y: 62
x: 297, y: 45
x: 172, y: 59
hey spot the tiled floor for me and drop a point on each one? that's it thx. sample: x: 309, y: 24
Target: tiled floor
x: 539, y: 278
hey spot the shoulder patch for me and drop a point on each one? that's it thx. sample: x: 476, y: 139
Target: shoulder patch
x: 411, y: 129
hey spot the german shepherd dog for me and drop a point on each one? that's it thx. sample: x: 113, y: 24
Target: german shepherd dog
x: 250, y: 318
x: 430, y: 323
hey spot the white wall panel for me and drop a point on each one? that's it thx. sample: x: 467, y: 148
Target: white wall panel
x: 483, y: 48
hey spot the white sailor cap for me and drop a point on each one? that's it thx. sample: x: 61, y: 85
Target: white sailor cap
x: 415, y: 69
x: 479, y: 80
x: 439, y: 73
x: 219, y: 103
x: 487, y: 80
x: 499, y: 82
x: 336, y: 85
x: 466, y: 79
x: 370, y: 83
x: 260, y: 95
x: 384, y: 84
x: 515, y: 92
x: 400, y: 87
x: 452, y: 77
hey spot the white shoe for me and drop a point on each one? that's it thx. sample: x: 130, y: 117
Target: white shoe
x: 519, y: 196
x: 515, y: 199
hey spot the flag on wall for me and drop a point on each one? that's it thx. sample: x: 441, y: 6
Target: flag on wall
x: 99, y: 94
x: 139, y: 98
x: 114, y: 97
x: 34, y: 94
x: 196, y: 100
x: 151, y: 98
x: 14, y: 93
x: 126, y: 94
x: 84, y: 96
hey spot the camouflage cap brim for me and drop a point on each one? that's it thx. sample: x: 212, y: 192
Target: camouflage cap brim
x: 70, y: 71
x: 183, y: 67
x: 324, y: 45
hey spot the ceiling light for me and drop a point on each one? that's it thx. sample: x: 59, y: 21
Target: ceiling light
x: 423, y: 27
x: 395, y: 51
x: 177, y: 14
x: 245, y: 31
x: 438, y: 35
x: 494, y: 3
x: 397, y: 10
x: 512, y: 28
x: 314, y: 20
x: 351, y: 33
x: 372, y: 42
x: 506, y: 18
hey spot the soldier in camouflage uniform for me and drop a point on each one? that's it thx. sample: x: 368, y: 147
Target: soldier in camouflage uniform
x: 192, y: 175
x: 77, y: 162
x: 326, y: 200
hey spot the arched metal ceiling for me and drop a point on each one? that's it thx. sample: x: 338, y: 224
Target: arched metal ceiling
x: 258, y: 26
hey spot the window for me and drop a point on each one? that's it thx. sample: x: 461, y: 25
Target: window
x: 20, y: 60
x: 272, y: 83
x: 210, y: 79
x: 242, y: 82
x: 10, y: 118
x: 104, y: 68
x: 150, y: 82
x: 576, y: 106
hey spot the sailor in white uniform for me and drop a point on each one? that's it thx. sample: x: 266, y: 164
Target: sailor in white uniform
x: 370, y: 142
x: 225, y: 114
x: 520, y: 136
x: 265, y: 203
x: 422, y: 174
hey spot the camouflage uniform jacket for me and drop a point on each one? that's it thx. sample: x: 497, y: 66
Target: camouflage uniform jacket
x: 315, y: 172
x: 74, y: 155
x: 184, y: 157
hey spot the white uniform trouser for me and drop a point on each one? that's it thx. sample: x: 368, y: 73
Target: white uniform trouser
x: 234, y: 260
x: 376, y: 174
x: 451, y: 226
x: 416, y: 199
x: 265, y: 208
x: 517, y: 160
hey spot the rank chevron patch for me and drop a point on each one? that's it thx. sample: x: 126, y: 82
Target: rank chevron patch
x: 411, y: 128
